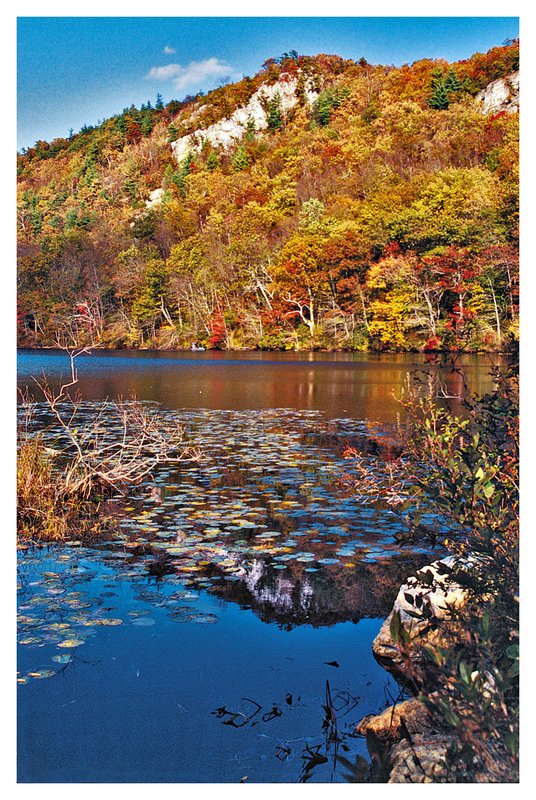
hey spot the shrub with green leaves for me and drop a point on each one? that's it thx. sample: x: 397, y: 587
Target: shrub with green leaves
x: 464, y: 469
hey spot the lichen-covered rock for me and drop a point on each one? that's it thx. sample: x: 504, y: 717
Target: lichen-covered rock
x: 229, y: 131
x: 421, y: 760
x: 411, y: 715
x: 407, y: 745
x: 501, y: 95
x: 431, y: 595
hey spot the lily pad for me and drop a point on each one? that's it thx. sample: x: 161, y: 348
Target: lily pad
x: 43, y: 673
x: 31, y: 640
x: 205, y: 619
x: 62, y: 659
x: 71, y: 643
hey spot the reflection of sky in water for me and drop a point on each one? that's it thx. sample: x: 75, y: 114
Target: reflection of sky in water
x: 137, y: 360
x: 135, y: 701
x: 126, y: 668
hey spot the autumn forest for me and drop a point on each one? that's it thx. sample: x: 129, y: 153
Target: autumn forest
x: 377, y: 211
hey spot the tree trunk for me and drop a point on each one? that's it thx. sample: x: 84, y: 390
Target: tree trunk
x: 498, y: 322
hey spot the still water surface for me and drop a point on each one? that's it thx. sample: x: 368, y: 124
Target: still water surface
x: 355, y: 385
x: 195, y: 645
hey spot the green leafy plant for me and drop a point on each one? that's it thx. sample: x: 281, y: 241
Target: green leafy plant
x: 464, y: 470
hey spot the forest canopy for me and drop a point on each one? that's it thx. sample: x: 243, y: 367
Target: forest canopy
x: 383, y: 215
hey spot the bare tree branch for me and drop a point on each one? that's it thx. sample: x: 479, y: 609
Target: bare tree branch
x: 122, y: 444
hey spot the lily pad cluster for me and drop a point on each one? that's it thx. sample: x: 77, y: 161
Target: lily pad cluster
x: 68, y: 595
x: 264, y: 509
x: 261, y: 490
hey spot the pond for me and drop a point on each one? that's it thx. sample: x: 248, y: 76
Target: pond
x: 198, y: 642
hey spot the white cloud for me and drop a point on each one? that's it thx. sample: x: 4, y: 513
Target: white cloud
x: 195, y: 74
x: 165, y: 73
x: 169, y: 50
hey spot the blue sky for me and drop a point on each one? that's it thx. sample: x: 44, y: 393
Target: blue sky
x: 73, y: 71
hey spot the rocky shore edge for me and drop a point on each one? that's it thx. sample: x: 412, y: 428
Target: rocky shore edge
x: 403, y: 740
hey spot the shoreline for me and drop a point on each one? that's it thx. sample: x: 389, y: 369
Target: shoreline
x: 91, y: 348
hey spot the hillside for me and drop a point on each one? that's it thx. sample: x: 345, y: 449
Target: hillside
x: 323, y: 203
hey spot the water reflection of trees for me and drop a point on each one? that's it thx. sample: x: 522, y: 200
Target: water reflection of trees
x: 333, y: 594
x: 293, y: 596
x: 338, y: 383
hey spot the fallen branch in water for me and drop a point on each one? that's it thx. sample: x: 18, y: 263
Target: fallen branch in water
x: 122, y: 443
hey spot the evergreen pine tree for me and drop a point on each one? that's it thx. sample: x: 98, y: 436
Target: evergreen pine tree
x: 322, y: 107
x: 146, y: 125
x: 326, y: 102
x: 240, y: 159
x: 439, y: 98
x: 173, y: 133
x: 131, y: 183
x: 249, y: 136
x: 168, y: 176
x: 452, y: 82
x: 180, y: 176
x: 121, y: 124
x: 275, y: 113
x: 213, y: 161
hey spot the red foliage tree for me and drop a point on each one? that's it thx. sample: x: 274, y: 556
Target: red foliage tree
x: 218, y: 333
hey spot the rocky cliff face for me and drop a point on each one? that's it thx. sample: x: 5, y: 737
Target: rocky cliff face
x: 501, y: 95
x: 229, y: 131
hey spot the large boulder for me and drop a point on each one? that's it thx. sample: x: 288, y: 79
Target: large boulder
x: 432, y: 594
x: 410, y: 715
x: 405, y: 746
x: 403, y: 740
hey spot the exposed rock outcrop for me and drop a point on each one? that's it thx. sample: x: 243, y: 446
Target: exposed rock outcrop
x: 155, y: 198
x: 407, y: 747
x: 227, y: 132
x: 430, y: 595
x: 404, y: 744
x: 501, y: 95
